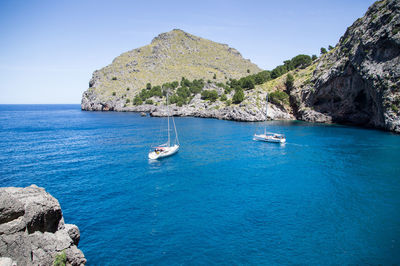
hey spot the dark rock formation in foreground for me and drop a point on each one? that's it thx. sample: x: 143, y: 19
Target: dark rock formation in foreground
x: 358, y: 82
x: 32, y: 229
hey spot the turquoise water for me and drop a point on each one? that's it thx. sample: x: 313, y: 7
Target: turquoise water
x: 331, y: 195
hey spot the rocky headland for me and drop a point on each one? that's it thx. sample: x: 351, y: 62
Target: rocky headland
x: 356, y: 82
x: 168, y: 58
x: 32, y: 229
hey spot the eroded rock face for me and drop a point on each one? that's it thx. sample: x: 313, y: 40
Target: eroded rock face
x: 235, y: 113
x: 32, y: 229
x: 359, y: 81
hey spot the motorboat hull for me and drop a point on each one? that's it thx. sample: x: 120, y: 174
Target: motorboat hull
x: 168, y: 151
x: 268, y: 138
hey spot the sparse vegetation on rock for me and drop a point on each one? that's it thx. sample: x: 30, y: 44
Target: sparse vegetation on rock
x: 61, y: 259
x: 210, y: 95
x: 238, y: 97
x: 279, y: 97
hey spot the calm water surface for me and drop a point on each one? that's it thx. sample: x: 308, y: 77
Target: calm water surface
x: 331, y: 195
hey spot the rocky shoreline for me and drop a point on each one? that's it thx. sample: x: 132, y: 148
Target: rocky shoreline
x: 196, y: 108
x: 234, y: 113
x: 32, y: 229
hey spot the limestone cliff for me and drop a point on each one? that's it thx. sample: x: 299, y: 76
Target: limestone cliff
x: 358, y: 82
x: 32, y: 229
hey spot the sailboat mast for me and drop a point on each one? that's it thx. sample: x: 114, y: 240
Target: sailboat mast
x: 176, y: 133
x: 266, y: 114
x: 266, y: 108
x: 168, y: 143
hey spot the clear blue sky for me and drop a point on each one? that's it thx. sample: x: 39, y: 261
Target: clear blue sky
x: 49, y: 49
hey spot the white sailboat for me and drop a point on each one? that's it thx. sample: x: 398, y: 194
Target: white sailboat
x: 165, y: 150
x: 269, y: 136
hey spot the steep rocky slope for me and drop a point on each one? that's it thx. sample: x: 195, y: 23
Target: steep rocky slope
x: 32, y: 229
x: 358, y: 82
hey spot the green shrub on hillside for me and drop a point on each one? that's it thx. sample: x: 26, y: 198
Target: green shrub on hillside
x: 156, y: 91
x: 279, y: 97
x: 278, y: 71
x: 144, y: 94
x: 228, y: 90
x: 220, y: 84
x: 149, y: 101
x: 178, y: 100
x: 234, y: 83
x: 185, y: 82
x: 211, y: 95
x: 223, y: 97
x: 170, y: 85
x: 173, y: 99
x: 137, y: 100
x: 238, y: 97
x: 174, y: 84
x: 289, y: 81
x: 61, y: 259
x: 301, y: 61
x: 196, y: 86
x: 247, y: 83
x: 183, y: 92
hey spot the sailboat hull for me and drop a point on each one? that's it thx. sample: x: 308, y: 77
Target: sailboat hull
x: 268, y: 138
x: 168, y: 151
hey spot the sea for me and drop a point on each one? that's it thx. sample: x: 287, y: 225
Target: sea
x: 329, y: 196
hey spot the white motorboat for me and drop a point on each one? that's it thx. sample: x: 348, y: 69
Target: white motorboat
x: 268, y: 136
x: 165, y: 150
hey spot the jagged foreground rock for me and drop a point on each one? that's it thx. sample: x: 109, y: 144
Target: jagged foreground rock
x: 32, y: 229
x: 358, y: 82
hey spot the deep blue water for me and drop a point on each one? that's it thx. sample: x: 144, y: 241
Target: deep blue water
x: 331, y: 195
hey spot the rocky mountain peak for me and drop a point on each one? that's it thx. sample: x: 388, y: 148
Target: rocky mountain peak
x: 169, y: 57
x: 174, y: 35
